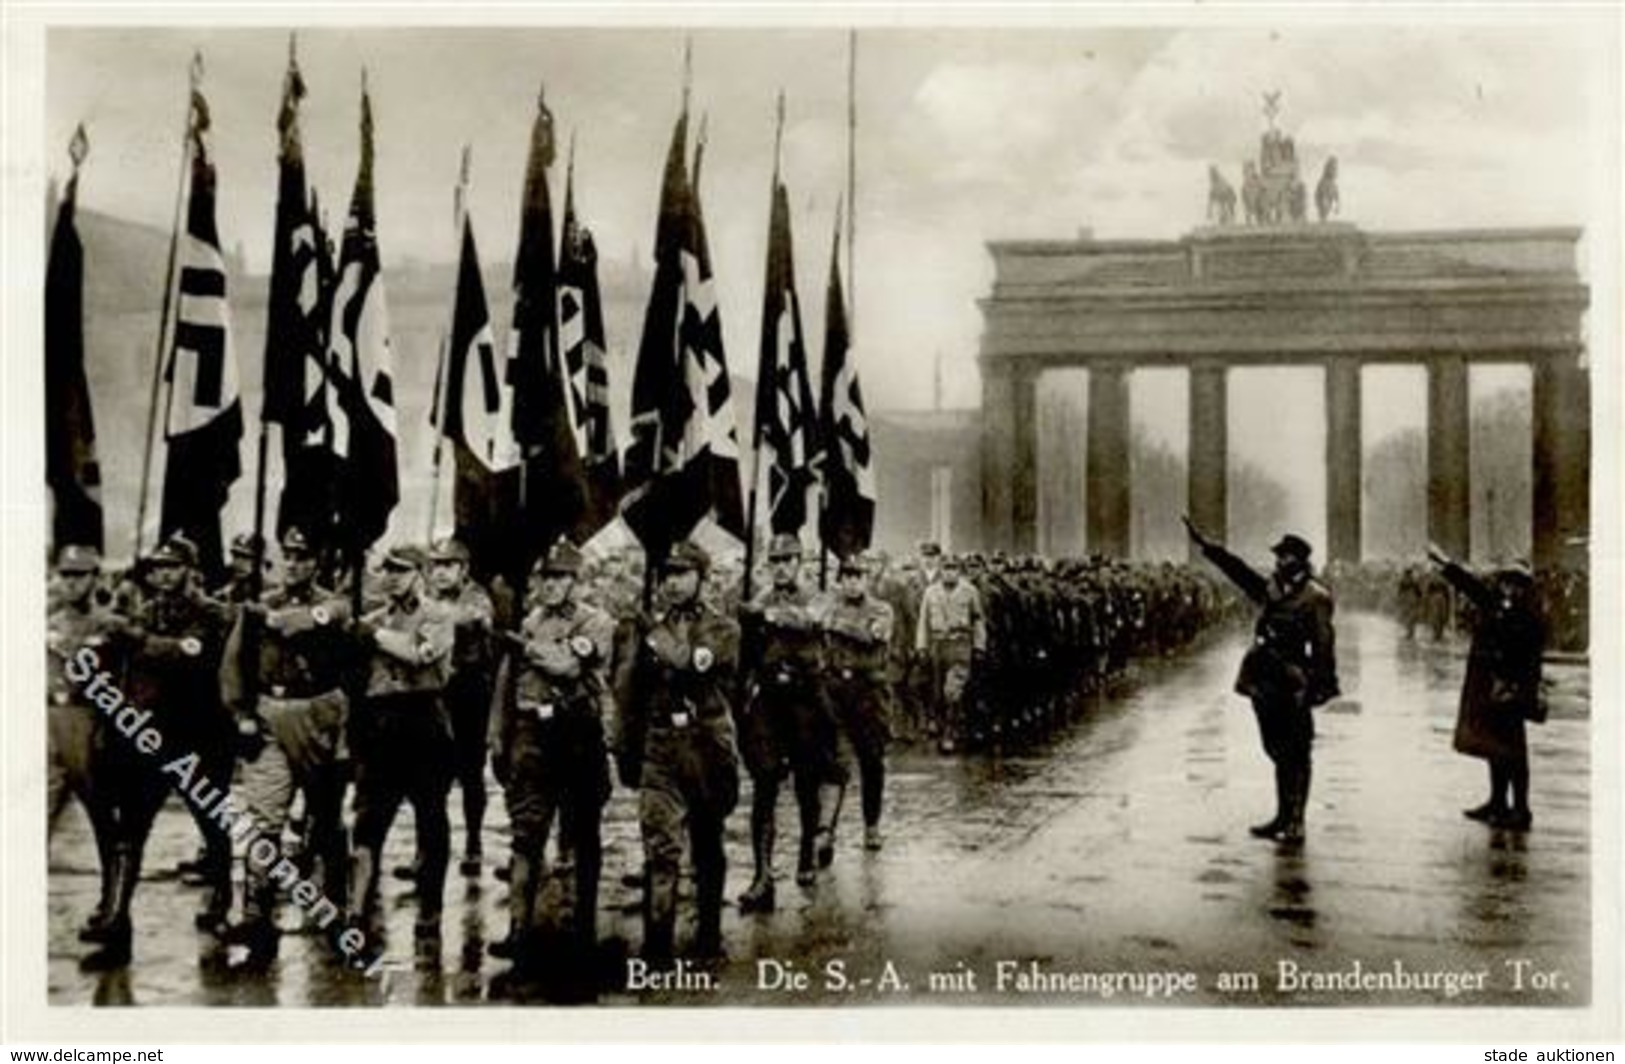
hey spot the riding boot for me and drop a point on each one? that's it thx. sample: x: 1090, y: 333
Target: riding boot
x: 830, y: 797
x: 364, y: 888
x: 107, y: 859
x: 1298, y: 801
x: 1283, y: 788
x: 588, y: 872
x: 807, y: 795
x: 116, y: 932
x: 708, y: 913
x: 760, y: 896
x: 216, y: 870
x: 521, y: 908
x: 660, y: 916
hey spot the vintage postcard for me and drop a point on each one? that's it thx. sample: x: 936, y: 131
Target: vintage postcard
x: 757, y: 521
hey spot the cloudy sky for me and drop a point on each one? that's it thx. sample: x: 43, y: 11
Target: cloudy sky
x: 964, y: 135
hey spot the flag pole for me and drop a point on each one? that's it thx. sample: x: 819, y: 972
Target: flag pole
x: 756, y: 427
x: 256, y: 581
x: 438, y: 419
x: 851, y: 183
x: 437, y: 416
x: 828, y: 451
x: 195, y: 78
x: 358, y: 552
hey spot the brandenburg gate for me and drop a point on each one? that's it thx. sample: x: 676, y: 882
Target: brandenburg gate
x: 1285, y: 291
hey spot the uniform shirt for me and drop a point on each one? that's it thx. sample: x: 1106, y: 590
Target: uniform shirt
x: 68, y: 629
x: 412, y: 643
x: 859, y: 634
x: 566, y: 648
x: 951, y: 613
x: 473, y: 615
x: 683, y: 665
x: 792, y: 640
x: 300, y: 647
x: 1295, y: 622
x: 176, y: 640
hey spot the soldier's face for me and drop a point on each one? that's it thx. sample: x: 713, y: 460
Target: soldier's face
x: 298, y: 569
x: 950, y: 576
x: 852, y: 585
x: 445, y: 576
x: 680, y: 586
x: 242, y: 566
x: 77, y: 586
x: 785, y: 569
x: 1290, y: 568
x: 166, y: 576
x: 398, y: 583
x: 556, y: 588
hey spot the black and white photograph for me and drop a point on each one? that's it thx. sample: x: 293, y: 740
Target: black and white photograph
x: 676, y: 510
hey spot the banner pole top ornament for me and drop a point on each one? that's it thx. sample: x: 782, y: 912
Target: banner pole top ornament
x: 78, y: 147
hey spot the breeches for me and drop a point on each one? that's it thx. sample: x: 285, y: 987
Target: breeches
x: 1286, y: 728
x: 789, y: 728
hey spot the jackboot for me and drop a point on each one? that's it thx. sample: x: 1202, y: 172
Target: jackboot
x: 660, y: 917
x: 760, y: 896
x: 830, y: 798
x: 1298, y: 800
x: 116, y: 933
x: 1269, y: 828
x: 521, y: 908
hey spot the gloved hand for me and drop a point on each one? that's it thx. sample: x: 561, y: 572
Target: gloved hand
x: 251, y: 738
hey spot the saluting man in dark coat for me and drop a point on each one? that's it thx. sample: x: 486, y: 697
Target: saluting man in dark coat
x: 1290, y: 669
x: 1501, y: 689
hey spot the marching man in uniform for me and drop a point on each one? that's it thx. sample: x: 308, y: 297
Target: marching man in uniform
x: 282, y: 677
x: 858, y: 633
x: 76, y: 622
x: 468, y: 692
x: 174, y: 643
x: 675, y: 745
x: 548, y: 746
x: 402, y: 737
x: 786, y: 726
x: 952, y: 634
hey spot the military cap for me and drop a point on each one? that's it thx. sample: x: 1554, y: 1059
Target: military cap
x: 563, y: 558
x: 176, y: 550
x: 783, y: 545
x: 1517, y: 571
x: 688, y: 556
x: 294, y: 541
x: 852, y: 563
x: 448, y: 549
x: 1293, y: 546
x: 245, y: 545
x: 930, y: 549
x: 952, y: 561
x: 76, y: 558
x: 404, y: 556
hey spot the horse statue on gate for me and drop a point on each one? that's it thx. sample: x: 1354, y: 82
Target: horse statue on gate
x: 1221, y: 198
x: 1327, y: 200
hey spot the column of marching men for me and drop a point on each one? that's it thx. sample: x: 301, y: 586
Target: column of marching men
x: 415, y: 683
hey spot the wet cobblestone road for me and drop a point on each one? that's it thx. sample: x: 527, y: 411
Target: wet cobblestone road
x: 1118, y: 845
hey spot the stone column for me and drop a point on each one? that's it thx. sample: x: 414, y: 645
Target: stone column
x: 1343, y: 478
x: 1207, y: 488
x: 998, y: 454
x: 1107, y: 469
x: 1023, y: 470
x: 1562, y: 460
x: 1448, y: 465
